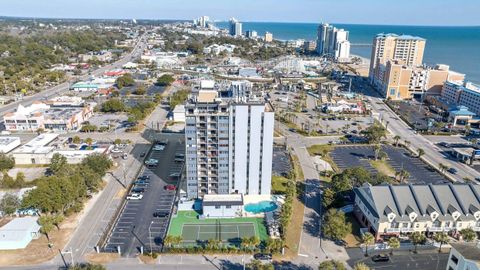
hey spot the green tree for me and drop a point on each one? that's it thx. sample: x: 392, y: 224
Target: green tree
x: 367, y: 239
x: 468, y: 234
x: 117, y: 141
x: 99, y: 163
x: 393, y: 243
x: 113, y: 105
x: 7, y: 181
x: 165, y: 80
x: 9, y: 203
x: 335, y: 225
x: 375, y: 133
x: 331, y: 265
x: 58, y: 162
x: 258, y: 265
x: 57, y: 220
x: 328, y: 197
x: 178, y: 97
x: 125, y: 80
x: 76, y: 139
x: 6, y: 162
x: 87, y: 266
x: 361, y: 266
x: 274, y: 245
x: 47, y: 225
x: 213, y: 244
x: 420, y: 152
x: 140, y: 90
x: 441, y: 238
x: 417, y: 238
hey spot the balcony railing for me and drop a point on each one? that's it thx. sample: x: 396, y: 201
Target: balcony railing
x: 404, y: 230
x: 435, y: 229
x: 393, y: 230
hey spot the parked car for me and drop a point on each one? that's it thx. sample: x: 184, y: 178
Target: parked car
x: 116, y: 150
x: 135, y: 196
x: 151, y: 162
x: 143, y: 154
x: 452, y: 170
x: 444, y: 144
x: 158, y: 147
x: 142, y: 182
x: 143, y: 177
x: 170, y: 187
x: 380, y: 258
x: 138, y: 190
x: 179, y: 157
x: 263, y: 256
x: 160, y: 214
x: 174, y: 175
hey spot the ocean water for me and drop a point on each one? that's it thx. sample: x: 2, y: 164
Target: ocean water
x: 458, y: 47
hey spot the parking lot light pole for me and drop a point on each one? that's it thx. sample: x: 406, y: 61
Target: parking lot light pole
x: 150, y: 236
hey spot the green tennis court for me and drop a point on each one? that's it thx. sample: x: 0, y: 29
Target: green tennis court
x: 227, y: 232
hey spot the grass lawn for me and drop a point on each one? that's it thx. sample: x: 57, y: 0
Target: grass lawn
x: 323, y: 150
x: 279, y: 184
x: 353, y: 239
x: 295, y: 227
x: 191, y: 217
x: 383, y: 167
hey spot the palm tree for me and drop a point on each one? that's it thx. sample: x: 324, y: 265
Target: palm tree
x: 89, y: 141
x: 245, y: 243
x: 254, y: 241
x: 213, y: 244
x: 168, y: 240
x: 361, y: 266
x: 421, y: 152
x: 407, y: 143
x: 177, y: 240
x: 367, y: 239
x: 442, y: 167
x: 468, y: 234
x: 441, y: 238
x: 394, y: 243
x: 47, y: 225
x: 417, y: 238
x: 396, y: 139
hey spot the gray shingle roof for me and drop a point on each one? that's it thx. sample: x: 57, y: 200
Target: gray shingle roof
x: 445, y: 199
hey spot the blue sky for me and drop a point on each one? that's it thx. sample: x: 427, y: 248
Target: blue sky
x: 403, y: 12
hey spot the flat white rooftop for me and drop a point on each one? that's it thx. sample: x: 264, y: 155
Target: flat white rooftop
x: 222, y: 198
x: 4, y: 141
x: 42, y: 140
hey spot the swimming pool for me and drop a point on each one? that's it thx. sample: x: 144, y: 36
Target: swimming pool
x: 260, y: 207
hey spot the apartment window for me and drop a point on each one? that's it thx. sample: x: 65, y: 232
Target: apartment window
x: 217, y: 206
x: 454, y: 259
x: 228, y: 206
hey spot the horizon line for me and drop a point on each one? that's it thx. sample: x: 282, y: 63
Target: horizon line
x: 222, y: 21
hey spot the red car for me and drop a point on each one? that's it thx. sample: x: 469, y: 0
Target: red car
x: 170, y: 187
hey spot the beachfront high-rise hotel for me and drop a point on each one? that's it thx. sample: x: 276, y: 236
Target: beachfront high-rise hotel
x: 229, y: 144
x: 408, y: 49
x: 235, y: 27
x: 333, y: 42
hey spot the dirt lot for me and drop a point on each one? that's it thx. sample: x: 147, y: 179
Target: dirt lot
x: 38, y: 251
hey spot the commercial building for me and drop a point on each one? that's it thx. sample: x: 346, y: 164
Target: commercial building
x: 463, y: 94
x: 235, y: 28
x: 179, y: 113
x: 310, y: 45
x: 58, y: 117
x: 203, y: 22
x: 333, y: 42
x: 402, y: 209
x: 102, y: 56
x: 41, y: 149
x: 222, y: 206
x: 19, y: 232
x: 464, y: 256
x: 400, y: 81
x: 7, y: 144
x: 251, y: 34
x: 229, y: 143
x: 268, y: 37
x: 408, y: 49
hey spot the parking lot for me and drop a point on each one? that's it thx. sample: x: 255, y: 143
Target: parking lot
x: 136, y: 225
x: 398, y: 158
x: 281, y: 165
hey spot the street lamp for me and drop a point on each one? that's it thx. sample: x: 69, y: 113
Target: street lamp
x: 150, y: 236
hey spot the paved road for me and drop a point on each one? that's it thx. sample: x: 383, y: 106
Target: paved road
x: 61, y: 88
x: 432, y: 152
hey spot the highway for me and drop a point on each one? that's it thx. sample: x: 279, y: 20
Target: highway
x: 63, y: 87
